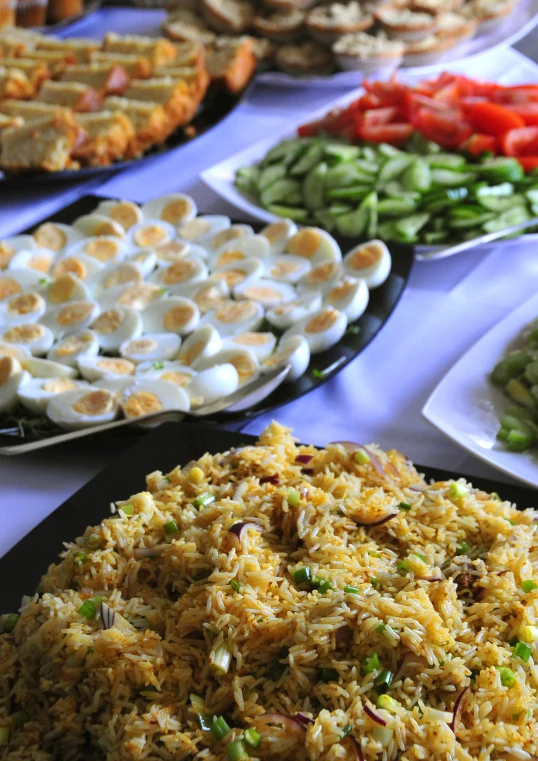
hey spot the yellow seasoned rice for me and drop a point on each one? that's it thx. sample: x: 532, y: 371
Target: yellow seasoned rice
x: 438, y: 601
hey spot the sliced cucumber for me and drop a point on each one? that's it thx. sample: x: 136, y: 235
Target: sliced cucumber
x: 389, y: 151
x: 448, y: 178
x: 465, y: 223
x: 418, y: 176
x: 290, y: 212
x: 501, y: 169
x: 309, y: 159
x: 337, y: 209
x: 507, y: 218
x: 353, y: 193
x: 433, y: 238
x: 314, y: 188
x: 394, y: 167
x: 285, y: 191
x: 411, y: 225
x: 270, y: 174
x: 368, y: 167
x: 396, y: 207
x: 445, y: 161
x: 342, y: 152
x: 345, y: 175
x: 324, y: 219
x: 246, y: 178
x: 369, y: 153
x: 504, y: 189
x: 502, y: 203
x: 286, y: 151
x: 357, y: 223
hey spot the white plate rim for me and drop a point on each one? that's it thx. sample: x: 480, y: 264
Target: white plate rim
x: 497, y: 340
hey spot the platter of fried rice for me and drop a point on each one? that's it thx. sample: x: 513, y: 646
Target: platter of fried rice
x: 278, y: 601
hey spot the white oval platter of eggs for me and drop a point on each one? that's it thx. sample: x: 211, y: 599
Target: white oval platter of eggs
x: 132, y: 310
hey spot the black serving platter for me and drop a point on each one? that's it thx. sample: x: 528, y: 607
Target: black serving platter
x: 323, y: 366
x: 218, y: 104
x: 168, y: 445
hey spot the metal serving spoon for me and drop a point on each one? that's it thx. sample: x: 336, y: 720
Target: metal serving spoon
x: 240, y: 400
x: 467, y: 244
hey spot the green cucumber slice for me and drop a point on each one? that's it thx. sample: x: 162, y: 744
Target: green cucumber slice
x: 284, y: 191
x: 309, y: 159
x: 313, y: 187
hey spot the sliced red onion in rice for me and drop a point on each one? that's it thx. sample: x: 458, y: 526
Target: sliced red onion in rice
x: 274, y: 479
x: 302, y: 719
x: 355, y: 751
x: 148, y: 552
x: 374, y: 716
x: 375, y: 521
x: 108, y: 616
x: 392, y: 470
x: 308, y: 471
x: 352, y: 446
x: 292, y: 725
x: 239, y: 527
x: 304, y: 459
x: 430, y: 578
x: 457, y: 710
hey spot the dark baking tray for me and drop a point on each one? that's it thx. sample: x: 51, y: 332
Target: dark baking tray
x: 167, y: 446
x: 382, y: 303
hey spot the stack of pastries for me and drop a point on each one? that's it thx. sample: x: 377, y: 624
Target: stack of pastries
x: 71, y: 103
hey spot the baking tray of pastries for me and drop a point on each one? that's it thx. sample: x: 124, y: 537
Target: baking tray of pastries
x: 75, y: 106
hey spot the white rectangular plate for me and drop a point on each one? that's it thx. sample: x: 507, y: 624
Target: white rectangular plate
x: 507, y: 67
x: 467, y: 407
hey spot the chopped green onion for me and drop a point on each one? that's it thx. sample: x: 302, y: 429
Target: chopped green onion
x: 88, y: 609
x: 419, y: 557
x: 374, y: 582
x: 387, y: 703
x: 322, y: 586
x: 511, y: 522
x: 402, y: 566
x: 206, y: 722
x: 203, y: 500
x: 302, y: 575
x: 276, y: 671
x: 462, y: 548
x: 384, y: 680
x: 351, y: 590
x: 252, y: 738
x: 317, y: 374
x: 220, y: 659
x: 236, y: 750
x: 79, y: 558
x: 89, y: 650
x: 235, y: 585
x: 328, y: 675
x: 404, y: 506
x: 168, y: 479
x: 128, y: 509
x: 9, y: 622
x: 457, y: 490
x: 220, y: 727
x: 197, y: 703
x: 158, y: 365
x: 495, y: 496
x: 508, y: 678
x: 523, y: 651
x: 474, y: 674
x: 362, y: 457
x: 529, y: 633
x: 346, y: 730
x: 529, y: 586
x: 20, y: 718
x: 371, y: 663
x: 381, y: 628
x: 93, y: 542
x: 170, y: 527
x: 4, y: 735
x: 293, y: 498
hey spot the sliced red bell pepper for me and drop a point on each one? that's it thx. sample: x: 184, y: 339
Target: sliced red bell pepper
x: 493, y: 119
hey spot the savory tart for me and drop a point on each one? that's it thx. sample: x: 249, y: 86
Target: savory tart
x: 184, y: 25
x: 228, y: 16
x: 406, y: 25
x: 426, y: 51
x: 489, y: 13
x: 281, y: 25
x: 456, y: 25
x: 327, y: 23
x: 303, y: 59
x: 368, y: 53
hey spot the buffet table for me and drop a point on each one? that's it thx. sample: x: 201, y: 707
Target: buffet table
x: 378, y: 398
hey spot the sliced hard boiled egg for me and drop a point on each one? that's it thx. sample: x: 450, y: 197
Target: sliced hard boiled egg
x: 144, y: 258
x: 235, y: 273
x: 38, y: 259
x: 173, y: 208
x: 173, y: 372
x: 148, y: 396
x: 45, y: 368
x: 268, y: 293
x: 285, y: 315
x: 114, y: 275
x: 244, y: 361
x: 83, y: 407
x: 236, y: 317
x: 246, y: 247
x: 24, y: 307
x: 37, y: 393
x: 68, y: 350
x: 16, y: 281
x: 64, y: 289
x: 12, y: 378
x: 278, y: 234
x: 314, y: 244
x: 185, y: 272
x: 17, y: 351
x: 101, y: 248
x: 150, y: 233
x: 79, y: 265
x: 207, y: 295
x: 224, y: 237
x: 115, y: 383
x: 286, y: 267
x: 322, y: 329
x: 151, y: 348
x: 321, y: 277
x: 125, y: 213
x: 260, y: 344
x: 173, y: 315
x: 71, y: 317
x: 168, y: 253
x: 202, y: 229
x: 204, y: 342
x: 370, y: 261
x: 34, y: 336
x: 10, y: 246
x: 94, y: 368
x: 116, y: 325
x: 293, y: 351
x: 136, y: 296
x: 56, y: 236
x: 213, y: 384
x: 96, y: 225
x: 349, y: 296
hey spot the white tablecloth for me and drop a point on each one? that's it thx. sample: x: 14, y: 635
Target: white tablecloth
x: 378, y: 398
